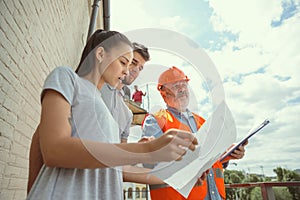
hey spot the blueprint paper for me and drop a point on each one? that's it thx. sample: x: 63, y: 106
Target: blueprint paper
x: 214, y: 137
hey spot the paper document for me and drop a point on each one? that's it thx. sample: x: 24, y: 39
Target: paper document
x: 214, y: 137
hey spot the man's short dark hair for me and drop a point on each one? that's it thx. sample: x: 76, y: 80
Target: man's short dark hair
x: 142, y: 50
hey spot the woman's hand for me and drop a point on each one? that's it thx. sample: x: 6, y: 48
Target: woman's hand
x: 146, y: 139
x: 172, y: 145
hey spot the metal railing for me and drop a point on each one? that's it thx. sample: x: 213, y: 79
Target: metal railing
x: 266, y: 187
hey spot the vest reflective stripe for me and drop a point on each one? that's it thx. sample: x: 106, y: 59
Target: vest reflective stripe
x: 219, y: 173
x: 219, y: 178
x: 166, y: 120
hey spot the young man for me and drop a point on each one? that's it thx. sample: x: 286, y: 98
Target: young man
x: 173, y: 87
x: 114, y: 97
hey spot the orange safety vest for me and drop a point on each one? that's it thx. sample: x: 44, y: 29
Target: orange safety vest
x: 166, y: 121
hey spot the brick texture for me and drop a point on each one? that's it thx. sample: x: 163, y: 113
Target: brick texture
x: 36, y: 36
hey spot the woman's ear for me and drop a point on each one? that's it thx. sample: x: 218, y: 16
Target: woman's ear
x: 99, y: 53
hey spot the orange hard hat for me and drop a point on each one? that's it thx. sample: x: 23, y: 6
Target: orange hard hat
x: 171, y: 75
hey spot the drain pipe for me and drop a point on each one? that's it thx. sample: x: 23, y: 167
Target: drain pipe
x: 106, y: 14
x: 93, y: 18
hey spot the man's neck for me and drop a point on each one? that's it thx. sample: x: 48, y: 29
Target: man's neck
x: 176, y: 109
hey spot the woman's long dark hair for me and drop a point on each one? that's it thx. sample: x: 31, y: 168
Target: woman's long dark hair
x: 105, y: 39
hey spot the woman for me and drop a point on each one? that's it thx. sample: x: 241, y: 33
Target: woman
x: 77, y: 136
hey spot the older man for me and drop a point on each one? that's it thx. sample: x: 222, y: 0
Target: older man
x: 173, y: 87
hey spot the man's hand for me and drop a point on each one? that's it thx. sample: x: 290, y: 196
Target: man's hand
x: 202, y: 178
x: 240, y: 152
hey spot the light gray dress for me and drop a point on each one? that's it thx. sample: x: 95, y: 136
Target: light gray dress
x: 90, y: 119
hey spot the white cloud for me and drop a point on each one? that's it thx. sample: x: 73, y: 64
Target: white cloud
x: 259, y: 95
x: 231, y: 63
x: 133, y: 14
x: 249, y: 18
x: 176, y: 23
x: 127, y: 15
x: 284, y: 44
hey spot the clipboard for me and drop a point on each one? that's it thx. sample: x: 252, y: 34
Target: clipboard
x: 251, y: 133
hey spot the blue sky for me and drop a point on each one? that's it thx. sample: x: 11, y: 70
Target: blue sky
x: 255, y: 47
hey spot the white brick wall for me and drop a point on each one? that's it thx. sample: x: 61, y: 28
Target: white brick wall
x: 36, y: 36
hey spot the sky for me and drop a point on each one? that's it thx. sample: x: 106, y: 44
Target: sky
x: 254, y: 46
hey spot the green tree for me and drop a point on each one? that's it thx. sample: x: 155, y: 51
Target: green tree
x: 254, y: 178
x: 281, y: 193
x: 268, y: 179
x: 288, y: 175
x: 230, y: 192
x: 256, y: 194
x: 235, y: 176
x: 279, y: 173
x: 295, y: 191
